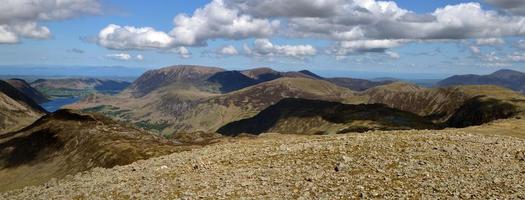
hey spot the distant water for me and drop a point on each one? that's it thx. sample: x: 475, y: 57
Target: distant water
x: 57, y: 103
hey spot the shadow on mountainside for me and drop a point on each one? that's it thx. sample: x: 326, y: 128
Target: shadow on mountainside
x: 305, y: 116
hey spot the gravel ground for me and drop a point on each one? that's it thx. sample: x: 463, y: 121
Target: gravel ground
x: 404, y: 164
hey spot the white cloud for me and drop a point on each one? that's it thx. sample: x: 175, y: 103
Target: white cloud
x: 490, y: 41
x: 474, y: 49
x: 354, y: 26
x: 20, y: 18
x: 228, y: 50
x: 392, y: 54
x: 216, y: 20
x: 183, y: 52
x: 7, y: 36
x: 128, y: 37
x: 125, y: 57
x: 263, y: 47
x: 213, y: 21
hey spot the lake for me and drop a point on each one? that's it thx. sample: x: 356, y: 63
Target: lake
x: 57, y: 103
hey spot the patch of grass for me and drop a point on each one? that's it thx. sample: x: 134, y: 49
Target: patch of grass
x: 52, y: 92
x: 152, y: 126
x: 64, y: 92
x: 110, y: 111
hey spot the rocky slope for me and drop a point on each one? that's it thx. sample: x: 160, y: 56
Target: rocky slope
x: 301, y: 116
x: 66, y: 142
x: 381, y: 165
x: 511, y: 79
x: 16, y: 109
x: 29, y: 91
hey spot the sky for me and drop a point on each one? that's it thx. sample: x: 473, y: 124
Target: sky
x: 431, y: 37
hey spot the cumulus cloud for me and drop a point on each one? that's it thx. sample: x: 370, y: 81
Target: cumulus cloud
x: 125, y: 57
x: 264, y: 47
x: 369, y: 19
x: 128, y: 37
x: 511, y: 6
x: 354, y: 26
x: 228, y: 51
x: 213, y: 21
x: 216, y: 20
x: 20, y: 18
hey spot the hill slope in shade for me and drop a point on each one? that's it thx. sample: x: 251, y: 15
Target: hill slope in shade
x: 29, y: 91
x: 301, y: 116
x: 16, y: 109
x: 511, y: 79
x: 441, y: 104
x: 384, y: 165
x: 66, y: 142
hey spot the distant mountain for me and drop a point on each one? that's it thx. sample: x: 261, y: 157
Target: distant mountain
x: 189, y: 98
x: 78, y: 86
x: 511, y: 79
x: 263, y: 74
x: 16, y: 109
x: 267, y: 74
x: 179, y: 74
x: 193, y: 98
x: 301, y: 116
x: 357, y: 84
x: 29, y: 91
x: 66, y: 142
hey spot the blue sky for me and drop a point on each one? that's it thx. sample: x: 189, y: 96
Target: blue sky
x: 74, y: 40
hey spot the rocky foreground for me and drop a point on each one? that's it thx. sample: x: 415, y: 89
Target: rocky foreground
x: 410, y: 164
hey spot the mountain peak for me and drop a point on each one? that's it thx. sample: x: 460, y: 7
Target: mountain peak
x: 311, y: 74
x: 505, y: 73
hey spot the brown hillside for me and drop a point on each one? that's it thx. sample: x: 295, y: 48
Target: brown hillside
x: 66, y: 142
x: 16, y: 109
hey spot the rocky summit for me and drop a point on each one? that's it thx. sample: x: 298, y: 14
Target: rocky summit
x: 375, y: 165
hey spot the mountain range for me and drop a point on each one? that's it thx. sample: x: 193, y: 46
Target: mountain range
x: 195, y: 98
x: 511, y: 79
